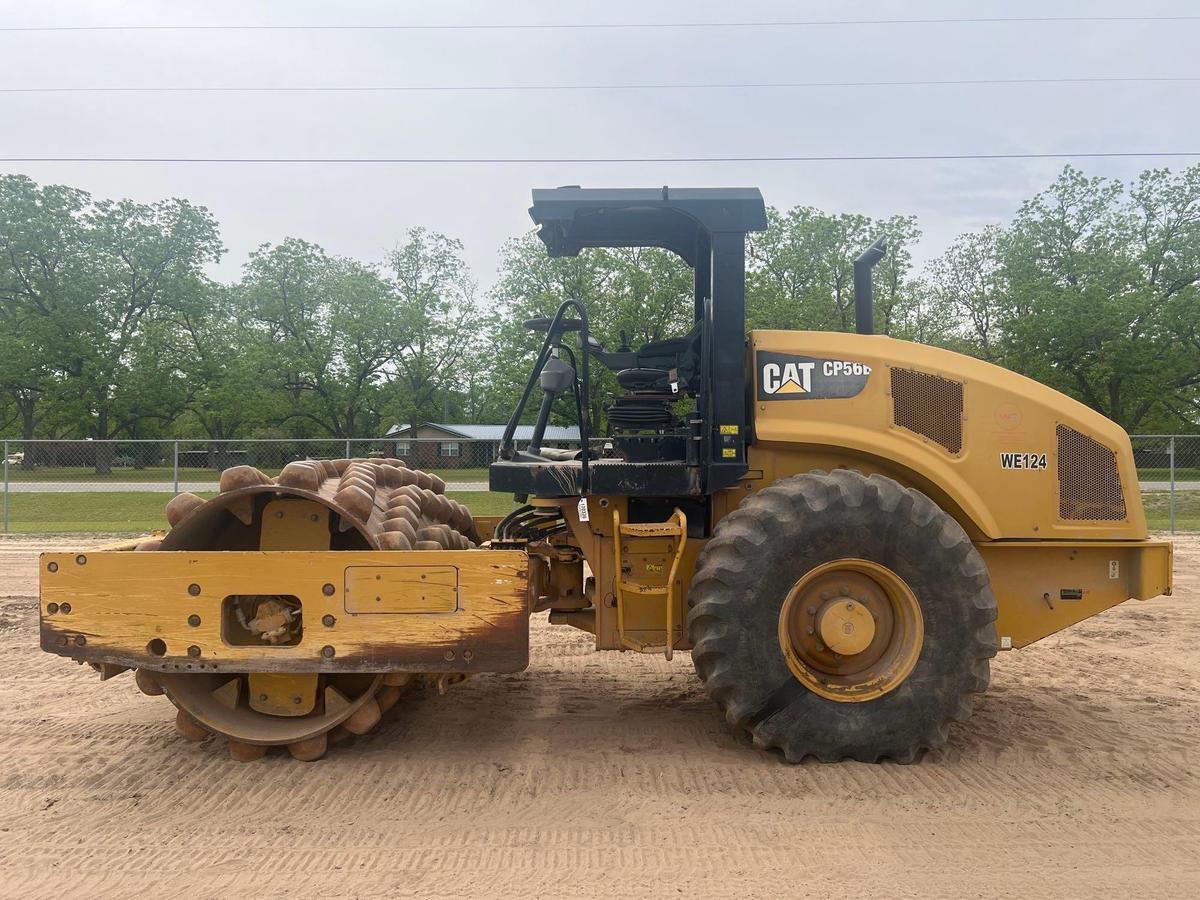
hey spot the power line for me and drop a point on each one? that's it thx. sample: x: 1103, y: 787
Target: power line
x: 414, y: 160
x: 547, y: 26
x: 465, y: 88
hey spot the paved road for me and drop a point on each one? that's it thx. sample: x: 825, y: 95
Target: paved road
x: 166, y: 487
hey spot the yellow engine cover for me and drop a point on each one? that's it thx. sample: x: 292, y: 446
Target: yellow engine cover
x: 1009, y: 457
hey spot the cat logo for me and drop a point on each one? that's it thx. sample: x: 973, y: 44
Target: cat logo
x: 789, y: 378
x: 784, y: 376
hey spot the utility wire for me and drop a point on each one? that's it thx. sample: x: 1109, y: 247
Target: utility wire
x: 547, y: 26
x: 414, y: 160
x: 664, y: 86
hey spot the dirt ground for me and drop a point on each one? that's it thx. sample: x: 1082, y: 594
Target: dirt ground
x: 606, y: 775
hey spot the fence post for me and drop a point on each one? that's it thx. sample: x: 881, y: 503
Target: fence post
x: 1172, y: 501
x: 6, y: 487
x: 175, y: 466
x: 348, y: 449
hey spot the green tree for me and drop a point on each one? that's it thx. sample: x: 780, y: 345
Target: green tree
x: 138, y: 257
x: 801, y: 271
x: 220, y: 357
x: 1102, y: 298
x: 439, y: 327
x: 330, y: 334
x: 43, y: 250
x: 969, y: 294
x: 79, y: 281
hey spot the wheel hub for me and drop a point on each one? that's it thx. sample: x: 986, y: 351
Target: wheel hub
x: 846, y: 626
x: 851, y: 630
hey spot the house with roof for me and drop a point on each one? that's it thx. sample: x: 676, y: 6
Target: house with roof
x: 438, y: 445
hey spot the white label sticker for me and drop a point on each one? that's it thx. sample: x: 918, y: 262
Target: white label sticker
x: 583, y: 510
x: 1114, y: 568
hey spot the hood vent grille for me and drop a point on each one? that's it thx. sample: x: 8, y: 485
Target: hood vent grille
x: 930, y: 406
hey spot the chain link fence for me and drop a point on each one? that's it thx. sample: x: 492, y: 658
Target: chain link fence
x: 1169, y: 473
x: 70, y: 486
x: 115, y: 486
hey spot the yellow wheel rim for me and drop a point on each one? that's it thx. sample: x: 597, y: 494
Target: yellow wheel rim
x: 851, y: 630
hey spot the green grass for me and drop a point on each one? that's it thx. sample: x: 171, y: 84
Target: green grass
x: 1188, y: 473
x: 167, y: 474
x: 134, y: 511
x: 1158, y: 510
x: 484, y: 503
x: 98, y: 511
x: 87, y: 473
x: 460, y: 474
x: 119, y: 511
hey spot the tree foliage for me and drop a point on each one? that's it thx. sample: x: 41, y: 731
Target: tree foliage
x: 1092, y: 290
x: 110, y: 326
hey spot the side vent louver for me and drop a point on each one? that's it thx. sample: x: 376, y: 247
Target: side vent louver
x: 1089, y: 488
x: 929, y: 405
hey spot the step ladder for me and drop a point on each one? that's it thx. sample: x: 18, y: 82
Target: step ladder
x: 625, y: 537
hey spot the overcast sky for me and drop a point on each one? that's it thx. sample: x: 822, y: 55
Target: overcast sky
x: 364, y: 210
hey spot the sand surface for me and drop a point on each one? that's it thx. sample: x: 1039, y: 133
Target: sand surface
x: 608, y: 775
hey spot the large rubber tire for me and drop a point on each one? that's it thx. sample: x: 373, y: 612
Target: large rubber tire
x: 760, y: 550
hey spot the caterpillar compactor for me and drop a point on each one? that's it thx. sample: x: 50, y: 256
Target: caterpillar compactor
x: 843, y: 529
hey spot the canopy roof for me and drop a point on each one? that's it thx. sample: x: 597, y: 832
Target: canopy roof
x: 677, y: 219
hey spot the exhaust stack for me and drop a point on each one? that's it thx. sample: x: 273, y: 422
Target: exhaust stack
x: 864, y: 304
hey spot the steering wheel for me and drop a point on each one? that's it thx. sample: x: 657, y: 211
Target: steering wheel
x: 542, y: 323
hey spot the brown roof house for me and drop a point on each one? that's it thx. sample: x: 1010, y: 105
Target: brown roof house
x: 437, y: 445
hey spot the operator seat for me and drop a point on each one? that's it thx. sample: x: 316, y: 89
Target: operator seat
x: 658, y: 364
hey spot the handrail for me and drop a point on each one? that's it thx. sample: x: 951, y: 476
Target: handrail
x: 506, y: 442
